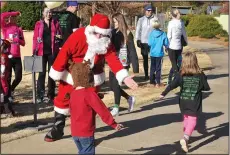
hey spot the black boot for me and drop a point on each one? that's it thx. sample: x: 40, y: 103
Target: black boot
x: 57, y: 130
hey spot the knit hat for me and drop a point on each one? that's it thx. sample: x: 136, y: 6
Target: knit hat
x: 148, y: 7
x: 72, y: 3
x: 100, y: 24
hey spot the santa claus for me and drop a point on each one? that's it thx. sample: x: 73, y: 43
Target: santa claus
x: 90, y: 43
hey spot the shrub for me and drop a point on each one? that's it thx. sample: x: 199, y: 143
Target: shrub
x: 224, y: 33
x: 186, y: 19
x: 204, y: 26
x: 30, y: 12
x: 207, y: 35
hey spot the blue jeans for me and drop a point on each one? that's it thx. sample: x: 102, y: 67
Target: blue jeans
x: 155, y: 70
x: 85, y: 145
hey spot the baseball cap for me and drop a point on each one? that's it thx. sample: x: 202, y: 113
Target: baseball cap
x: 72, y: 3
x: 148, y: 7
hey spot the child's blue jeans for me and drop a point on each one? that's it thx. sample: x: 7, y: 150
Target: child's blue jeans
x: 155, y: 70
x: 85, y: 145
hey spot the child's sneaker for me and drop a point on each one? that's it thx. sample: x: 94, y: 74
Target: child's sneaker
x: 131, y: 102
x: 184, y: 145
x: 115, y: 111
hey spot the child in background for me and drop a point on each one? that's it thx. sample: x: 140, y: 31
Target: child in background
x: 84, y: 105
x: 192, y: 81
x: 157, y: 39
x: 4, y: 52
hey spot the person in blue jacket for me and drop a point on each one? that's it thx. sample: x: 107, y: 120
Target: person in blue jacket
x: 157, y: 39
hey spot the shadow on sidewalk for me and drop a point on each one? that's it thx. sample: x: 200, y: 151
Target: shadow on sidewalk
x: 139, y: 125
x: 210, y: 77
x: 162, y: 149
x: 221, y: 130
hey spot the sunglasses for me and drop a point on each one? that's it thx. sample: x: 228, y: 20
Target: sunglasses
x: 101, y: 35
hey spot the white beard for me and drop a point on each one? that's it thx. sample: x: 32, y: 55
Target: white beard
x: 95, y: 45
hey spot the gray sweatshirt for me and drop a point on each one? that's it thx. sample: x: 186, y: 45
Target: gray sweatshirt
x: 143, y: 29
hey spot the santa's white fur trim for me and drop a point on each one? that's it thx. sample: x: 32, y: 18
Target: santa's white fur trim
x: 62, y: 111
x: 55, y: 75
x: 99, y: 79
x: 91, y: 29
x: 10, y: 56
x: 102, y: 31
x: 121, y: 75
x: 64, y: 75
x: 75, y: 29
x: 67, y: 77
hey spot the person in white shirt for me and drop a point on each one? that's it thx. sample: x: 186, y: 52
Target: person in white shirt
x: 176, y: 30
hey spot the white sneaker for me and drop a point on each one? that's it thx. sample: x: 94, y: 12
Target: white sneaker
x: 115, y: 111
x: 131, y: 102
x: 184, y: 145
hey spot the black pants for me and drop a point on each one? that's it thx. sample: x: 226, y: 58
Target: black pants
x: 57, y: 131
x: 145, y: 52
x: 115, y: 87
x: 173, y: 56
x: 16, y: 65
x: 156, y: 65
x: 41, y: 78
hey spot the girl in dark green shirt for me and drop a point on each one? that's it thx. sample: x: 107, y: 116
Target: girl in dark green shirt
x: 192, y: 82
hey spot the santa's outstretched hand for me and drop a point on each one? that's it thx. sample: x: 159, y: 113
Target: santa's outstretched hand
x: 129, y: 82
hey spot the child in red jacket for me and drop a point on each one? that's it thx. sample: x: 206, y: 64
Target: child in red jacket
x: 5, y: 72
x: 84, y: 105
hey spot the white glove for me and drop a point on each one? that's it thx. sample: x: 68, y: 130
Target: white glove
x: 3, y: 68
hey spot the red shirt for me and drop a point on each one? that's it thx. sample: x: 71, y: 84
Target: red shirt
x: 84, y: 105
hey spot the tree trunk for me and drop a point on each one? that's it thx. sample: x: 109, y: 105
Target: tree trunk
x: 93, y: 8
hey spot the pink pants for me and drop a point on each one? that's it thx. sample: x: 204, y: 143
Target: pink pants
x: 189, y: 124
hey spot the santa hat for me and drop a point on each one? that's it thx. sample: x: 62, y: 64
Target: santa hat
x: 100, y: 24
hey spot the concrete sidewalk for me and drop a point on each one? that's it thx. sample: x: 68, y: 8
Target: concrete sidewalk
x: 155, y: 127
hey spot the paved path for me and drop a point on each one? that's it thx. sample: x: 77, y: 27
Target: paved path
x: 155, y: 127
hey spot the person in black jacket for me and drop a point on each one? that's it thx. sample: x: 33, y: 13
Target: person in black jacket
x: 122, y: 38
x: 192, y: 82
x: 69, y: 22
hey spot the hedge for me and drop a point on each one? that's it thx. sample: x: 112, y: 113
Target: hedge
x: 204, y: 26
x: 30, y: 12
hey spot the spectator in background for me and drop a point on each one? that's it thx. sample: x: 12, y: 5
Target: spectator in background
x: 157, y: 39
x: 14, y: 34
x: 45, y: 44
x: 69, y: 22
x: 142, y: 33
x: 176, y: 32
x: 122, y: 38
x: 5, y: 70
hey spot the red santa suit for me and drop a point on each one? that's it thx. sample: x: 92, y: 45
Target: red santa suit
x: 76, y: 49
x: 82, y: 45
